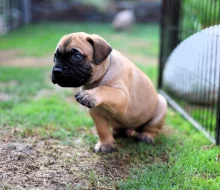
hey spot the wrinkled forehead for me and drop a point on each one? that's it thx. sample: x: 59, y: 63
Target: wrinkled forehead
x: 76, y: 41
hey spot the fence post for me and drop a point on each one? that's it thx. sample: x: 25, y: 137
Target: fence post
x: 162, y: 23
x: 10, y: 18
x: 170, y: 15
x: 26, y: 4
x: 217, y: 131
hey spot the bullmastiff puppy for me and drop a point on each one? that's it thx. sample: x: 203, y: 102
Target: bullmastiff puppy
x: 121, y: 99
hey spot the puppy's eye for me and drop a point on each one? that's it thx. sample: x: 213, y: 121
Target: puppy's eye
x: 77, y: 57
x: 56, y: 54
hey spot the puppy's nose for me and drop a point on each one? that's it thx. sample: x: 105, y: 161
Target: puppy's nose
x: 58, y: 71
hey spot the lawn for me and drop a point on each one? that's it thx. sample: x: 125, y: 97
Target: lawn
x: 46, y: 138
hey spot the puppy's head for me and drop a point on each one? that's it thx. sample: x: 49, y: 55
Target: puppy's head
x: 75, y: 58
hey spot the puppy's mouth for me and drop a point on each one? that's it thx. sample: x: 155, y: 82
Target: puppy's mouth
x: 69, y: 83
x: 70, y: 78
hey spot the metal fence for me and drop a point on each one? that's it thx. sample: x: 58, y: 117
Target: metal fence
x: 14, y: 13
x: 189, y: 70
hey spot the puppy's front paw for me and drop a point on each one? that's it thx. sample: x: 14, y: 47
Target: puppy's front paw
x: 85, y: 98
x: 104, y: 148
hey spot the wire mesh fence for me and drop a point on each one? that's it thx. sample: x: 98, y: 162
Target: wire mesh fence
x: 13, y: 14
x: 189, y: 71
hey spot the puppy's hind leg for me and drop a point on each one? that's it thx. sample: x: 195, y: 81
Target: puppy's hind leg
x: 148, y: 131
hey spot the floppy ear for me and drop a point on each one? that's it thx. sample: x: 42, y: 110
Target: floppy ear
x: 101, y: 48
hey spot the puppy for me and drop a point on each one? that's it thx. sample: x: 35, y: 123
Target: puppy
x: 121, y: 98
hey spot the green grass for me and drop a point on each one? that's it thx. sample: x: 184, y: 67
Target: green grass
x: 199, y: 14
x: 180, y: 159
x: 51, y: 117
x: 41, y: 39
x: 188, y: 164
x: 46, y: 113
x: 22, y: 84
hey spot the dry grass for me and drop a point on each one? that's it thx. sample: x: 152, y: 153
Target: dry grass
x: 14, y: 58
x: 47, y: 164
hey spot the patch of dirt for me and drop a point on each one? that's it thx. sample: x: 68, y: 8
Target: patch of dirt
x: 7, y: 55
x: 4, y: 97
x: 27, y: 163
x: 145, y: 60
x: 14, y: 58
x: 37, y: 163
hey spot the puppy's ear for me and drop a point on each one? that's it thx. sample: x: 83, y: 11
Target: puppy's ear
x: 101, y: 48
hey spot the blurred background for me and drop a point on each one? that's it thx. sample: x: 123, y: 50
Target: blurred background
x: 47, y: 21
x: 31, y: 29
x: 29, y: 33
x: 14, y: 13
x: 46, y: 137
